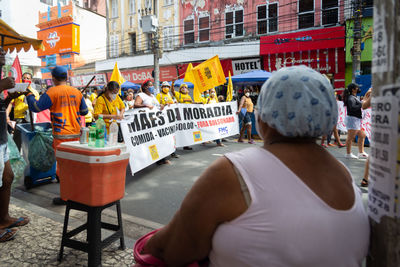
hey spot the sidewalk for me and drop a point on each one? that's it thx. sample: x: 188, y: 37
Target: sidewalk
x: 38, y: 243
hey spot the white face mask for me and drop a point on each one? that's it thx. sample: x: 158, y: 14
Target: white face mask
x: 113, y: 96
x: 247, y: 94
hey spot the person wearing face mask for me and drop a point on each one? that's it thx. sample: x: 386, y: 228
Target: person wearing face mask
x: 245, y: 110
x: 146, y: 98
x: 353, y: 121
x: 109, y: 104
x: 164, y: 97
x: 213, y: 98
x: 183, y: 95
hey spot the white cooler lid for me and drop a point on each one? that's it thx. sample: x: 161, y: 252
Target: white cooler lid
x: 77, y: 145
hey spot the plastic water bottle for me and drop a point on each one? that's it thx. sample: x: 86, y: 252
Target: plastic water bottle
x: 100, y: 133
x: 92, y: 135
x: 113, y: 135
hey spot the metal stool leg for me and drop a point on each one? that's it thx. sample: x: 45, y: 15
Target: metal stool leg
x: 121, y: 240
x: 94, y: 236
x: 65, y: 228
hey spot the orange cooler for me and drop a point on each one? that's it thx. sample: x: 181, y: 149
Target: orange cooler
x: 90, y: 175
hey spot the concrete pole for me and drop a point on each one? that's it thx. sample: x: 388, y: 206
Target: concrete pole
x: 156, y: 48
x: 385, y: 234
x: 156, y: 51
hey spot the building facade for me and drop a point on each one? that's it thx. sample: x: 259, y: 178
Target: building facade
x: 247, y: 35
x: 69, y: 37
x: 367, y: 25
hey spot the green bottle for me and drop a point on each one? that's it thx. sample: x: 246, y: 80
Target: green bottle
x: 100, y: 127
x: 92, y: 135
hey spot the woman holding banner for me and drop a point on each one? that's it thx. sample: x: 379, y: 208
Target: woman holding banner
x: 288, y: 203
x: 146, y: 99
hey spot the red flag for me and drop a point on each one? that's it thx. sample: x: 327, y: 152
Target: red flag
x: 16, y: 70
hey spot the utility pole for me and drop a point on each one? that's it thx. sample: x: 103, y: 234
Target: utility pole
x: 384, y: 188
x: 156, y: 50
x: 356, y: 51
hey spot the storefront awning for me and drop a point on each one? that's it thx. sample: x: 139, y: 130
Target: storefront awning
x: 11, y: 40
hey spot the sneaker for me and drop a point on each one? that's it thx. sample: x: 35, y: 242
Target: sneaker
x: 362, y: 155
x: 351, y: 156
x: 174, y: 155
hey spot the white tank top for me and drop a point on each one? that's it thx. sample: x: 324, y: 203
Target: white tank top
x: 149, y: 100
x: 286, y: 223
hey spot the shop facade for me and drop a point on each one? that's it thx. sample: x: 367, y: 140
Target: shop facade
x: 322, y: 50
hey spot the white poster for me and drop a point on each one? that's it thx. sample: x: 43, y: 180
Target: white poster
x: 382, y: 49
x: 83, y: 80
x: 382, y: 170
x: 151, y: 135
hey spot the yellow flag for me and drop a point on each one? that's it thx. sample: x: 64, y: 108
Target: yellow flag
x: 117, y: 76
x: 229, y: 91
x: 188, y: 74
x: 189, y: 78
x: 208, y: 74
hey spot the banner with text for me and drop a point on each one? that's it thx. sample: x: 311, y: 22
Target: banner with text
x: 151, y: 135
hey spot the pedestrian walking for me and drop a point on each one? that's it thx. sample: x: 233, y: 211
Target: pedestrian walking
x: 353, y: 121
x: 245, y: 111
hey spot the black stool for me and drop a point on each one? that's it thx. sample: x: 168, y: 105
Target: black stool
x: 94, y: 244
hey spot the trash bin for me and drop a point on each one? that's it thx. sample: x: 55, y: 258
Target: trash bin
x: 33, y: 176
x: 92, y: 176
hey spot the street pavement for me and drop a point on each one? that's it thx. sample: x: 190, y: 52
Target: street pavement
x: 152, y: 197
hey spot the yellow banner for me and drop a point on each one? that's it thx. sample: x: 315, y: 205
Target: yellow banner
x: 208, y: 74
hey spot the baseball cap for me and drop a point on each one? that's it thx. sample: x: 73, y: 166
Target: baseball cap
x: 165, y: 84
x: 59, y: 72
x: 352, y: 86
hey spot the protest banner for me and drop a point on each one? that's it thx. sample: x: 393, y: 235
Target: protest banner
x: 141, y: 129
x: 206, y: 123
x: 151, y: 135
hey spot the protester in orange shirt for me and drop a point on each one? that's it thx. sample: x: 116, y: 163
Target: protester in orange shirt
x: 66, y: 105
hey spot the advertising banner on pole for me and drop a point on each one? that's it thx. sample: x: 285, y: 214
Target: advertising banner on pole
x: 151, y: 134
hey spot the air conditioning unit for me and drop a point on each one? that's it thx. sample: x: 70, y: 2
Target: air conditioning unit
x: 149, y: 24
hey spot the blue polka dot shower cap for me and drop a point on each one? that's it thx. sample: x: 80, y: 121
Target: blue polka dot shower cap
x: 298, y: 102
